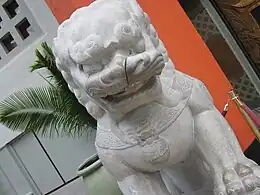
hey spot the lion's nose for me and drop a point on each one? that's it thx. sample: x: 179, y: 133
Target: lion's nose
x: 134, y: 65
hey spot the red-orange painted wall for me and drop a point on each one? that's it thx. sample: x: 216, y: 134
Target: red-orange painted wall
x: 185, y: 47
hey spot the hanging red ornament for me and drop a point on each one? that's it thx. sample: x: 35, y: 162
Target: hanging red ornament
x: 225, y: 110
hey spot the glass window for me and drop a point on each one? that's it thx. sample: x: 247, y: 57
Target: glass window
x: 222, y: 52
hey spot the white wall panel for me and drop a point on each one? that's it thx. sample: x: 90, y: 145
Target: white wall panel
x: 13, y: 172
x: 36, y: 163
x: 6, y: 187
x: 68, y: 153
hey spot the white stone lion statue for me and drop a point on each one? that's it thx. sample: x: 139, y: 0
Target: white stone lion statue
x: 158, y: 132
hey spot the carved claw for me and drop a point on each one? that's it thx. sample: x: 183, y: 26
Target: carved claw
x: 240, y: 180
x: 250, y: 184
x: 220, y: 190
x: 236, y: 188
x: 243, y: 170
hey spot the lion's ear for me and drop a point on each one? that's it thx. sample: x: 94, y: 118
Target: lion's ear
x: 93, y: 109
x: 64, y: 64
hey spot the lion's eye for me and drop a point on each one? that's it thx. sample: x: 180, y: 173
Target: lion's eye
x: 87, y: 50
x: 140, y: 46
x: 135, y: 27
x: 124, y: 32
x: 90, y: 45
x: 91, y: 69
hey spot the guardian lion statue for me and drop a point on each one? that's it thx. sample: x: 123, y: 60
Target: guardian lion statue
x: 158, y: 131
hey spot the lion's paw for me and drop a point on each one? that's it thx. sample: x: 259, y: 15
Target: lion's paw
x: 240, y: 180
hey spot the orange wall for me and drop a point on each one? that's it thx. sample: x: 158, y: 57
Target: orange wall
x: 186, y: 48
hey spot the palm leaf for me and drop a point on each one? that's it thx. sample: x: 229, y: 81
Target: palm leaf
x: 46, y: 110
x: 41, y: 110
x: 45, y: 59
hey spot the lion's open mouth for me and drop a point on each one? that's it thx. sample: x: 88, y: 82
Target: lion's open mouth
x: 132, y: 90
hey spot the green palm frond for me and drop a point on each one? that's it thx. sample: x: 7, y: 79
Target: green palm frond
x: 45, y: 60
x: 41, y: 110
x: 46, y: 110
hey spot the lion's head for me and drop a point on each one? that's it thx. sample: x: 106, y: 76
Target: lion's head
x: 110, y: 55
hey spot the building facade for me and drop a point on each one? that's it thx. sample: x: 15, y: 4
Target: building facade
x: 34, y: 165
